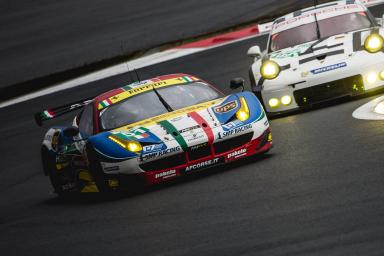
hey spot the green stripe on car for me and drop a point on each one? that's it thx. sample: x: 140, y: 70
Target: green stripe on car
x: 175, y: 133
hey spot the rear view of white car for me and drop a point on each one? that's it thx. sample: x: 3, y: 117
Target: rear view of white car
x: 317, y: 54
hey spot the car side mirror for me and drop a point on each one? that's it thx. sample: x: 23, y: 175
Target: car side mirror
x: 237, y: 83
x: 71, y: 131
x: 254, y: 52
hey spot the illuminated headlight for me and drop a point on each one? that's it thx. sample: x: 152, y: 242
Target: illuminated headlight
x: 270, y: 70
x: 132, y: 146
x: 372, y: 77
x: 381, y: 75
x: 374, y: 43
x: 274, y: 103
x: 243, y: 113
x: 286, y: 100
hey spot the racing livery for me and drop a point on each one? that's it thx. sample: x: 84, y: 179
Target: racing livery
x: 317, y: 54
x: 150, y: 132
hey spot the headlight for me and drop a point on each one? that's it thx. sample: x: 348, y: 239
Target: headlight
x: 382, y: 75
x: 243, y: 113
x: 132, y: 146
x: 270, y: 70
x: 372, y: 77
x: 374, y: 43
x: 286, y: 100
x: 274, y: 103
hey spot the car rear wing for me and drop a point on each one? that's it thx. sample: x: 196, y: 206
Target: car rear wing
x: 52, y: 113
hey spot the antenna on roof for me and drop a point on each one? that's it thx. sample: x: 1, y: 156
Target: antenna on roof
x: 317, y: 22
x: 137, y: 75
x: 126, y: 64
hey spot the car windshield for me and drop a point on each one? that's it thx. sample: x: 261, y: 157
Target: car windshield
x: 328, y: 27
x: 148, y: 104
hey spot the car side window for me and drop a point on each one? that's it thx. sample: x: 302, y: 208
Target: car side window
x: 86, y: 120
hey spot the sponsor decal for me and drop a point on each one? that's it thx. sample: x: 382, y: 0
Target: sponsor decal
x: 195, y: 137
x: 237, y: 154
x: 226, y: 107
x: 328, y: 68
x: 154, y: 148
x: 166, y: 175
x: 225, y: 134
x: 161, y: 153
x: 292, y: 53
x: 197, y: 147
x: 189, y: 129
x: 232, y: 125
x: 202, y: 165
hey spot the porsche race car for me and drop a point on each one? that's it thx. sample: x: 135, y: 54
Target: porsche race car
x: 317, y: 54
x: 150, y: 132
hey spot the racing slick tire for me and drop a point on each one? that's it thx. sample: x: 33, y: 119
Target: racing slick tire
x: 50, y: 170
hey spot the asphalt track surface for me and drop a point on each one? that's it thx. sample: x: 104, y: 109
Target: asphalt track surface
x: 41, y: 37
x: 318, y: 192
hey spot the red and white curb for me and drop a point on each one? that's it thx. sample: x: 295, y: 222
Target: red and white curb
x: 156, y: 58
x: 373, y: 110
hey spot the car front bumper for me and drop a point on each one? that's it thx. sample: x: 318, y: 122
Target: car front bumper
x: 313, y: 89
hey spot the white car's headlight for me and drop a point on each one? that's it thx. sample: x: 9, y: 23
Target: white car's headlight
x: 270, y: 69
x: 374, y: 43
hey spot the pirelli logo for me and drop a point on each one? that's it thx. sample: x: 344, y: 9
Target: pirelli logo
x: 227, y: 107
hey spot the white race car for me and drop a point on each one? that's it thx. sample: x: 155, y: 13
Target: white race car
x: 317, y: 54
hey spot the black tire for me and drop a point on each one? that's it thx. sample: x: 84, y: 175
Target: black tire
x: 50, y: 170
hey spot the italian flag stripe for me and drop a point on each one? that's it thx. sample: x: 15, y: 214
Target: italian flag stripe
x: 187, y: 79
x: 127, y: 88
x: 175, y: 133
x: 48, y: 114
x: 203, y: 124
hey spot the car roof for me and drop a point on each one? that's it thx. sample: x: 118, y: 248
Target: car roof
x: 323, y: 11
x: 117, y: 95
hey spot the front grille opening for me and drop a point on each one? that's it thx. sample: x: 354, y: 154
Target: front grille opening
x: 199, y: 151
x: 164, y: 163
x: 233, y: 143
x: 348, y: 86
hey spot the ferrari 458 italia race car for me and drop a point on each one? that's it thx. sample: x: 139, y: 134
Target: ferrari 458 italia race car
x: 317, y: 54
x: 151, y: 131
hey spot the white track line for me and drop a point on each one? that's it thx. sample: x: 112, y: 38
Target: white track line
x: 373, y: 110
x: 122, y: 68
